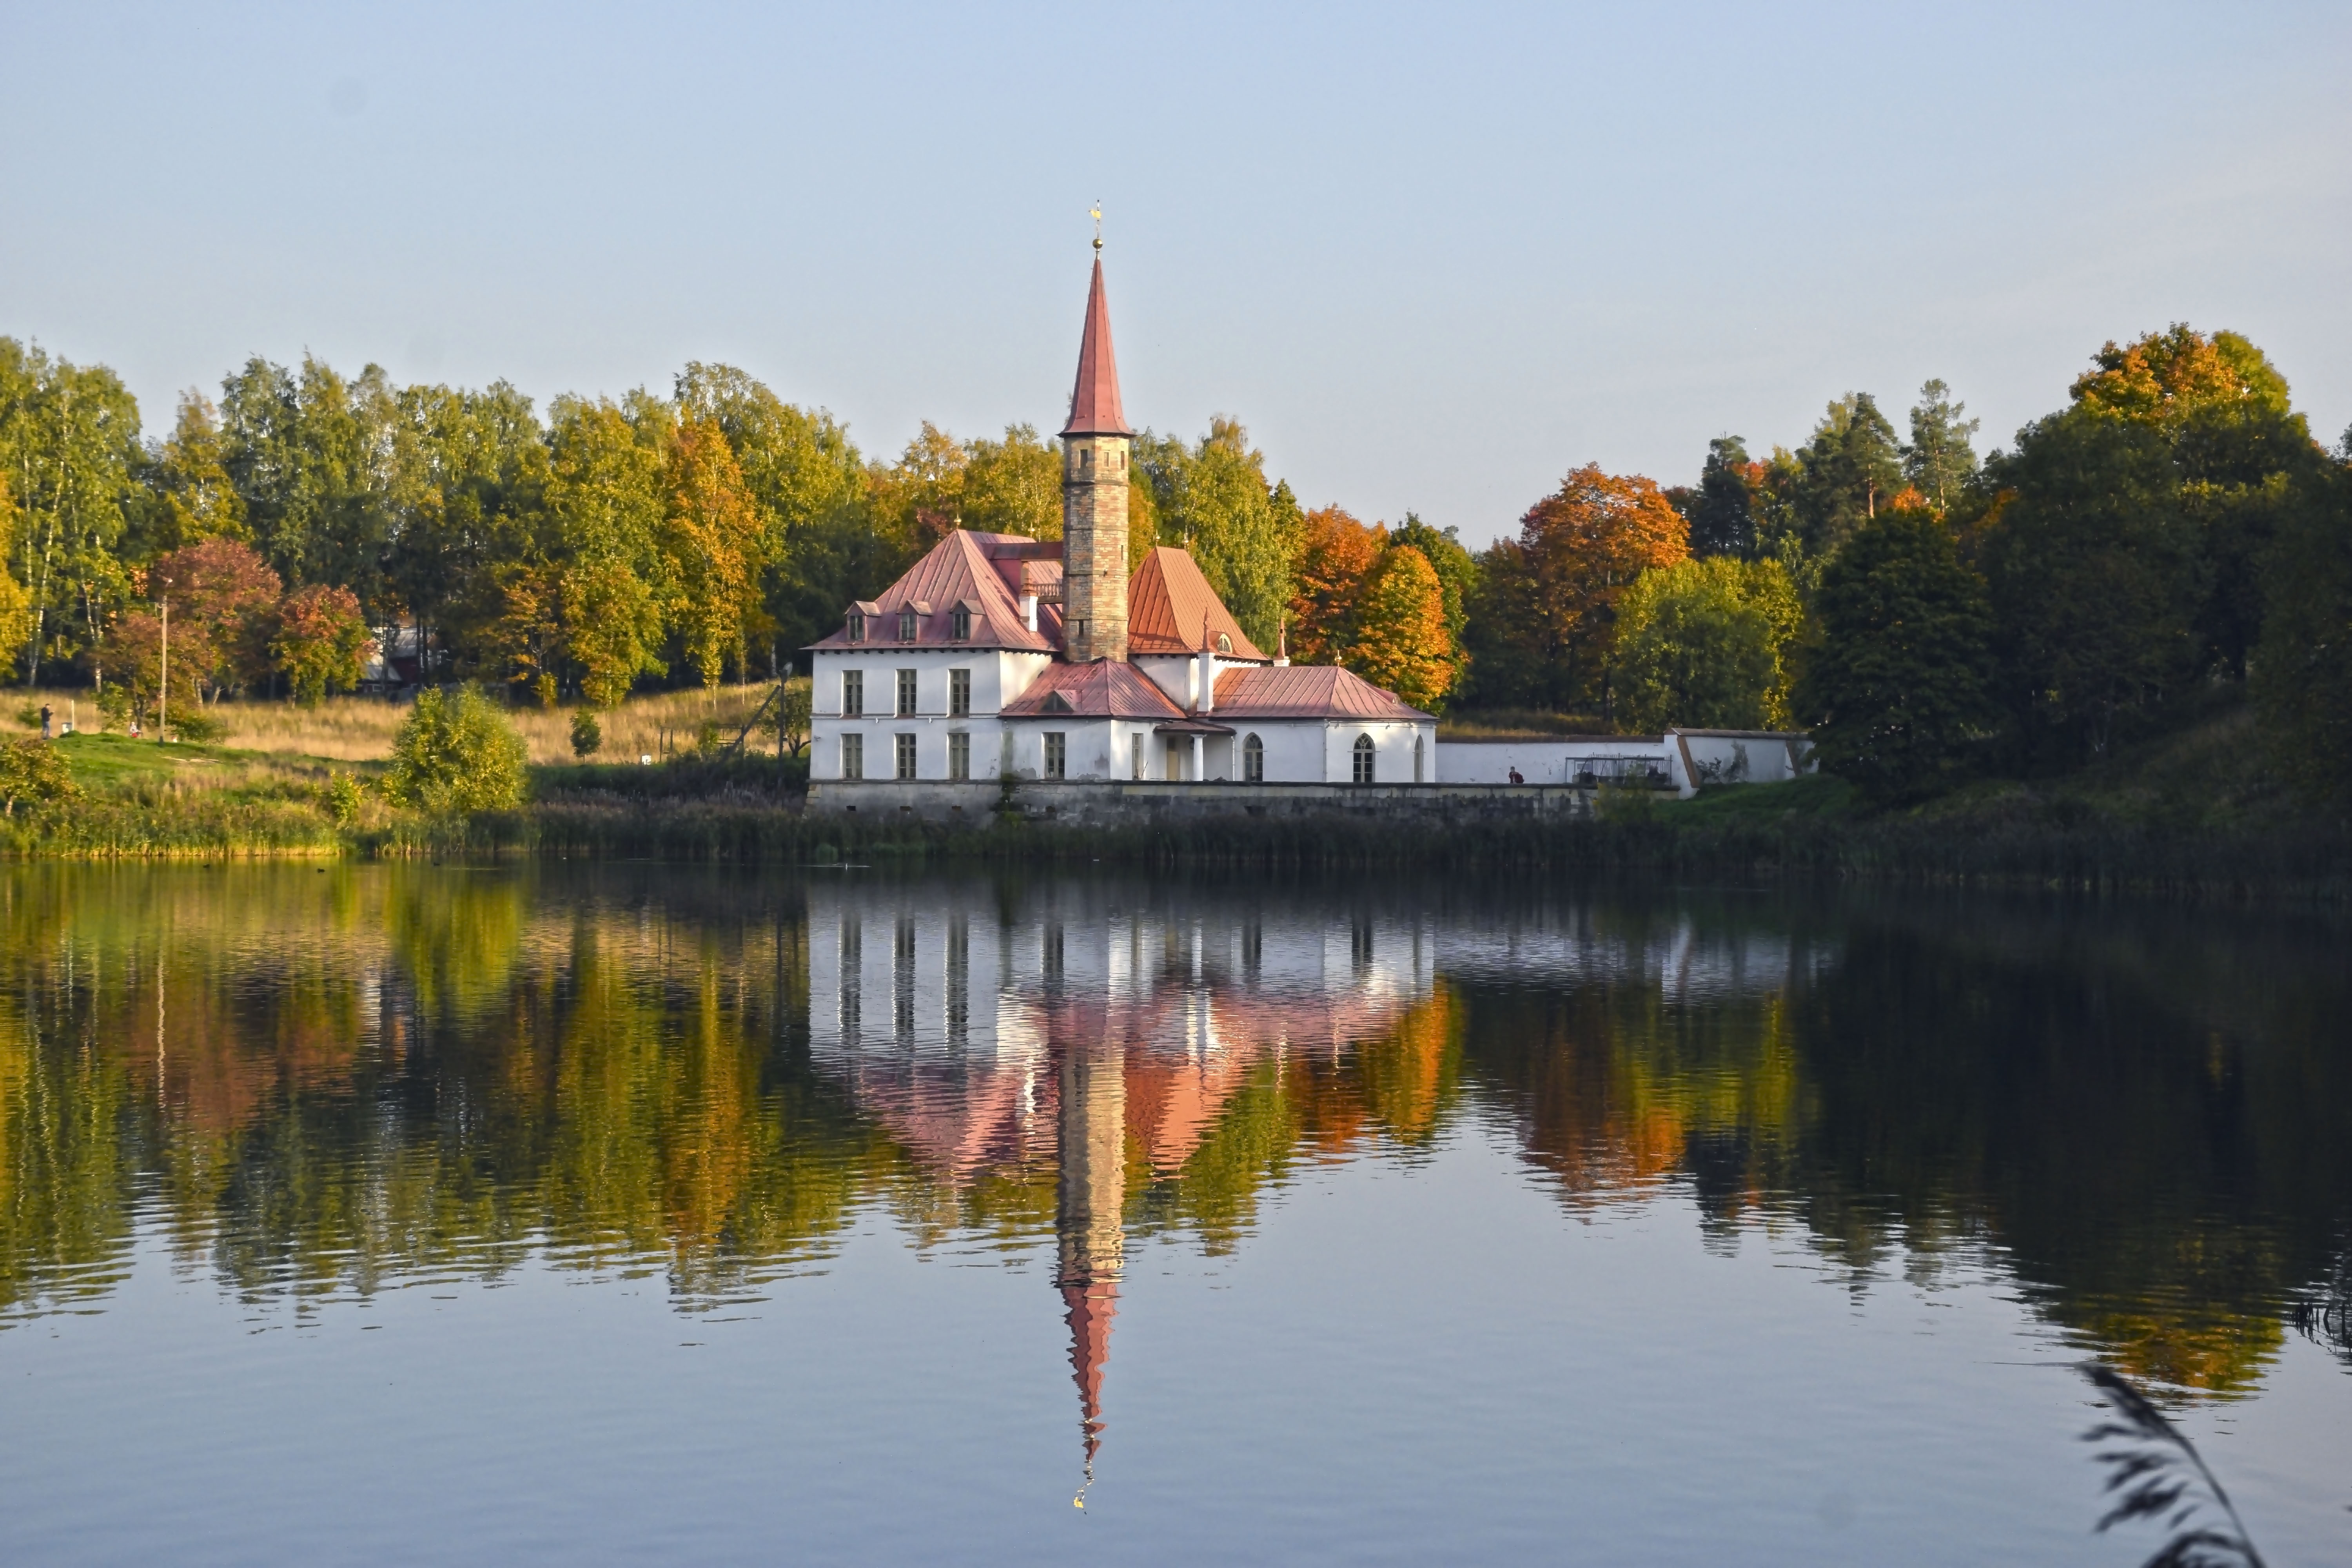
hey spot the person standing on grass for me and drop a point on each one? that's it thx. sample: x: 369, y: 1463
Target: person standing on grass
x: 45, y: 720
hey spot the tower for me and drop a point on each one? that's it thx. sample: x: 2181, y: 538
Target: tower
x: 1095, y: 448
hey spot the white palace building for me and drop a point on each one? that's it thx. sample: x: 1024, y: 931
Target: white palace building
x: 999, y: 657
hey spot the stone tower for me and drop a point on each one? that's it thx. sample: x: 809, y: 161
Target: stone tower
x: 1095, y: 448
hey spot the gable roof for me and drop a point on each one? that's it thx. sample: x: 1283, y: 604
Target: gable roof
x: 1105, y: 689
x: 1306, y: 691
x: 980, y: 571
x: 1094, y: 401
x: 1171, y: 607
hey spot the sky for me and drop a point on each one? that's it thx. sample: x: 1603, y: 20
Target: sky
x: 1432, y: 256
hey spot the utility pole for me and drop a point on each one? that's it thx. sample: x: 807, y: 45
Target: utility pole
x: 163, y: 686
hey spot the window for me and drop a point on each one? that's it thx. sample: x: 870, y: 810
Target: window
x: 1252, y: 760
x: 906, y: 694
x: 857, y: 625
x: 1057, y: 752
x: 1086, y: 458
x: 1135, y: 748
x: 904, y: 745
x: 853, y: 694
x: 905, y: 626
x: 959, y: 755
x: 960, y: 623
x: 1224, y: 643
x: 1363, y: 759
x: 959, y: 694
x: 853, y: 757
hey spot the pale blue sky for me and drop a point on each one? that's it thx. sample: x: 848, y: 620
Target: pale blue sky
x: 1433, y: 256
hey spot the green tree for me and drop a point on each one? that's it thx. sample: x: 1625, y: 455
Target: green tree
x: 1399, y: 641
x: 1939, y: 460
x: 1844, y: 476
x: 321, y: 641
x: 1896, y: 688
x: 587, y: 734
x: 312, y: 459
x: 1721, y: 508
x: 467, y: 511
x: 1013, y: 486
x: 1704, y: 644
x: 189, y: 494
x: 456, y: 754
x: 2096, y: 581
x: 36, y: 773
x: 2302, y: 679
x: 69, y: 442
x: 1244, y: 534
x: 605, y: 507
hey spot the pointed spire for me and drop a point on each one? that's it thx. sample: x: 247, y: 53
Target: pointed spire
x: 1094, y: 402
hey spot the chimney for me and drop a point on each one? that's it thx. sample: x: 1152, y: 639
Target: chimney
x: 1204, y: 670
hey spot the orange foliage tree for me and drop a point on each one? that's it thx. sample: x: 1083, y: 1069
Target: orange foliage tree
x: 1401, y: 640
x: 1546, y: 626
x: 1336, y: 554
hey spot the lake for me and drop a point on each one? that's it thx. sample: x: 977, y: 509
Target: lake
x: 570, y: 1213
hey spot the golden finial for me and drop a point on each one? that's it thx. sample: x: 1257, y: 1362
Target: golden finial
x: 1097, y: 217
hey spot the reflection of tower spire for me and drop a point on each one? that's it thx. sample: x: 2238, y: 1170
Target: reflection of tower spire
x: 1092, y: 1125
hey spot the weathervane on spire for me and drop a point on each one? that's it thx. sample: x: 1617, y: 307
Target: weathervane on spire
x: 1096, y: 210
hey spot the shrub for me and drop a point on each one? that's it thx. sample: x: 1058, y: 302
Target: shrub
x: 196, y: 727
x: 346, y: 797
x: 587, y: 735
x: 34, y: 772
x: 456, y: 754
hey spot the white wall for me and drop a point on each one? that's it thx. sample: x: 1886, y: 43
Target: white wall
x: 998, y: 675
x: 1717, y: 756
x: 1542, y: 762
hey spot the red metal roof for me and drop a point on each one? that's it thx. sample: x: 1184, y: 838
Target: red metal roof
x: 969, y: 568
x: 1171, y: 607
x: 1306, y: 691
x: 1105, y: 689
x: 1094, y: 402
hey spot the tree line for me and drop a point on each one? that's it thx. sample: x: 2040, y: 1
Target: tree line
x: 1924, y: 611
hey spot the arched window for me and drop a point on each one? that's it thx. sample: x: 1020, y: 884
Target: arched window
x: 1252, y: 760
x: 1364, y: 759
x: 1224, y: 643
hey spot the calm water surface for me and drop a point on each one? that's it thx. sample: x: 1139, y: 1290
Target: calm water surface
x: 415, y: 1214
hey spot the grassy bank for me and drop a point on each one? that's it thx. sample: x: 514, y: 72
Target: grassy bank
x: 2192, y: 814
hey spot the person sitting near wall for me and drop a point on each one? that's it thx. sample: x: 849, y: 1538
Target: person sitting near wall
x: 1515, y: 778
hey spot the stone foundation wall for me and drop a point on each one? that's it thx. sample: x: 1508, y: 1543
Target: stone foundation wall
x: 1124, y: 804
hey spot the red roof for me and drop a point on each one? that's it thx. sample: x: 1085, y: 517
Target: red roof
x: 1094, y: 402
x: 1171, y: 609
x: 1306, y: 691
x: 980, y: 571
x: 1105, y: 689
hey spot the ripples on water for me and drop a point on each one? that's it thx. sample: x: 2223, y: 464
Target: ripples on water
x: 306, y: 1093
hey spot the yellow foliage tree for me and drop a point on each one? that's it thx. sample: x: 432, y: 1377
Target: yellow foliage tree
x: 711, y: 535
x: 1401, y: 640
x: 1336, y: 557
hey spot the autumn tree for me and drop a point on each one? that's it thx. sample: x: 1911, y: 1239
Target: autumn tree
x: 1543, y: 628
x: 1705, y: 644
x: 711, y: 536
x: 321, y: 641
x: 223, y: 598
x: 1336, y: 555
x: 2239, y: 452
x: 1400, y: 639
x: 1457, y: 575
x: 1896, y: 686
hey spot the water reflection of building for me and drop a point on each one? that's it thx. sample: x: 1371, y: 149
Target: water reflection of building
x: 983, y: 1034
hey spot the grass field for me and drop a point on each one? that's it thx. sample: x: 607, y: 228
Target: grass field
x: 359, y: 728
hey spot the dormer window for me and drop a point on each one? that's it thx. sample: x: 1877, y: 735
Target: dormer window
x: 960, y: 623
x: 1058, y: 703
x: 1224, y: 643
x: 905, y: 626
x: 856, y: 630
